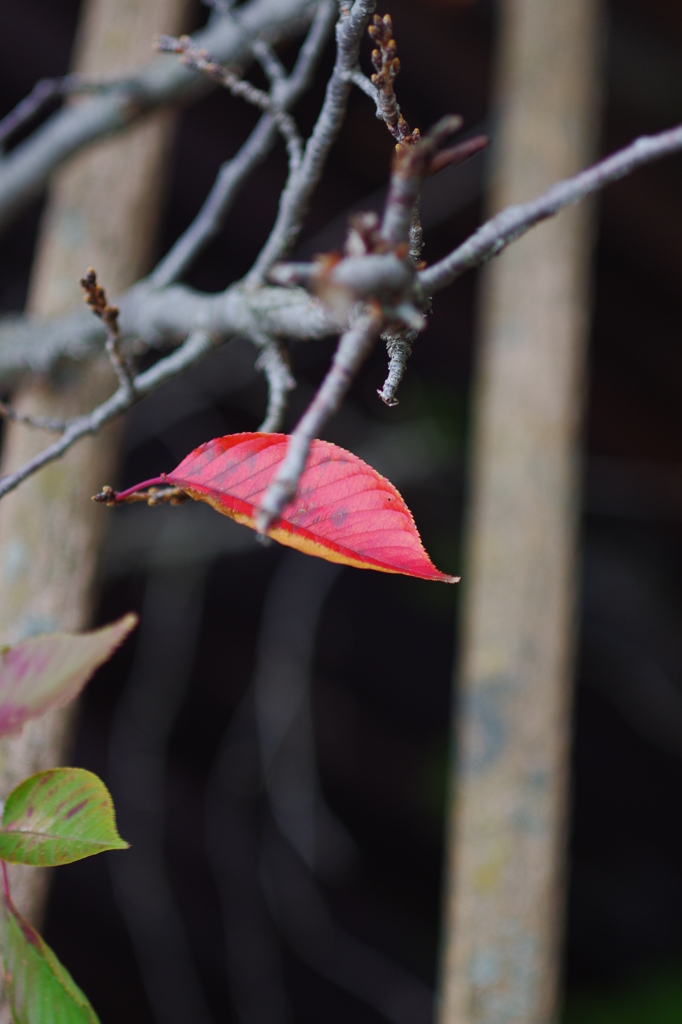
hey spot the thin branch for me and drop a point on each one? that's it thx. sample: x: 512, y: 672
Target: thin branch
x: 273, y: 363
x: 39, y: 422
x: 235, y: 171
x: 510, y: 224
x: 302, y: 76
x: 302, y: 182
x: 264, y: 53
x: 386, y: 68
x: 211, y: 217
x: 270, y: 63
x: 25, y: 170
x: 356, y: 77
x: 401, y: 224
x: 196, y: 346
x: 97, y: 301
x: 197, y: 59
x: 55, y: 88
x: 399, y: 348
x: 353, y: 348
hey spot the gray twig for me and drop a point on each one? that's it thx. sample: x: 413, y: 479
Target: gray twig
x: 356, y: 77
x: 273, y: 363
x: 302, y: 181
x: 25, y: 170
x: 353, y: 348
x: 39, y: 422
x: 198, y: 59
x: 497, y: 233
x: 270, y: 63
x: 196, y: 346
x: 399, y: 348
x: 235, y: 172
x: 263, y: 52
x: 55, y: 88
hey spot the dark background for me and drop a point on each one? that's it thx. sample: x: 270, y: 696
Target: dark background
x: 384, y: 646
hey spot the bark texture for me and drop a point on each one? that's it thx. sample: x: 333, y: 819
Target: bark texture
x: 102, y: 211
x: 508, y: 802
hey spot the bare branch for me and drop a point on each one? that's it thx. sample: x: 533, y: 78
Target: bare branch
x: 401, y: 227
x: 235, y: 172
x: 50, y: 89
x: 356, y: 77
x: 510, y: 224
x: 263, y: 52
x: 353, y: 348
x: 196, y: 346
x: 273, y: 363
x: 211, y: 217
x: 399, y: 348
x: 163, y: 318
x: 25, y: 170
x: 39, y: 422
x: 302, y: 182
x: 194, y: 57
x: 323, y: 22
x: 270, y: 63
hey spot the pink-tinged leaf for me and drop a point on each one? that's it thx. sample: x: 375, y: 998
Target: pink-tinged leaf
x: 344, y: 510
x: 47, y: 671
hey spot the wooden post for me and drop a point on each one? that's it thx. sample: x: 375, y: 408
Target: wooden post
x: 103, y: 211
x: 506, y: 848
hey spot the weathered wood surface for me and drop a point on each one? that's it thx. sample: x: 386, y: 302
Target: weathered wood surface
x: 508, y: 803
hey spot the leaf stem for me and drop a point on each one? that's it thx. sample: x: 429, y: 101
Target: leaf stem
x: 154, y: 482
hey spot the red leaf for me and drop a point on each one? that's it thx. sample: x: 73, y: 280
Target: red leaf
x: 344, y: 510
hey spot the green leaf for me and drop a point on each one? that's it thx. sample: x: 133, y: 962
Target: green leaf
x: 47, y: 671
x: 56, y: 817
x: 39, y: 989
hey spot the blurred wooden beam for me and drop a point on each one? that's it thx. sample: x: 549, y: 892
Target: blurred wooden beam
x: 506, y: 869
x: 103, y: 211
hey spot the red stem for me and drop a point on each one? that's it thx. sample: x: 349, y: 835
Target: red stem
x: 120, y: 495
